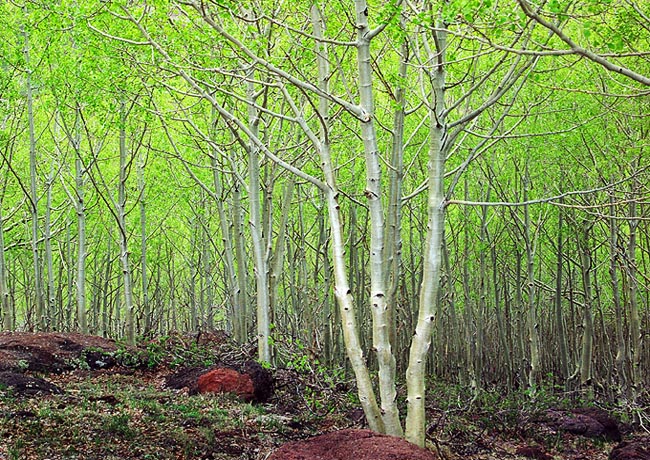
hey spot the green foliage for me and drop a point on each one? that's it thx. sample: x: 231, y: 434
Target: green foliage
x: 118, y: 425
x: 295, y: 355
x: 129, y: 357
x: 172, y: 351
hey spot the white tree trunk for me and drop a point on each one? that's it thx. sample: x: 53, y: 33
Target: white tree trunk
x: 38, y: 281
x: 432, y: 258
x: 380, y: 323
x: 261, y: 267
x: 533, y: 333
x: 342, y: 290
x: 129, y: 325
x: 143, y: 247
x: 80, y: 208
x: 5, y: 304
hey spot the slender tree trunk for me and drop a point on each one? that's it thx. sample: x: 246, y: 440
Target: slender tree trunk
x: 620, y: 358
x: 373, y: 192
x: 521, y: 331
x: 129, y: 325
x: 50, y: 310
x: 330, y: 347
x: 636, y: 333
x: 277, y: 262
x: 483, y: 291
x: 257, y: 236
x: 455, y: 334
x: 506, y: 352
x: 432, y: 257
x: 233, y: 296
x: 105, y: 302
x: 533, y: 326
x: 393, y: 229
x: 231, y: 234
x: 468, y: 310
x: 143, y: 247
x: 80, y: 208
x: 34, y: 199
x: 193, y: 321
x: 173, y: 311
x: 5, y: 299
x: 586, y: 361
x: 240, y: 255
x: 559, y: 315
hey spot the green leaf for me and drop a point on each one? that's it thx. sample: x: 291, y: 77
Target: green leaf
x: 554, y: 6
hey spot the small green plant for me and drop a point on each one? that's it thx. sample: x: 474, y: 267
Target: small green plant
x: 119, y: 425
x: 128, y: 357
x: 155, y: 354
x: 78, y: 363
x: 189, y: 411
x: 16, y: 450
x: 313, y: 400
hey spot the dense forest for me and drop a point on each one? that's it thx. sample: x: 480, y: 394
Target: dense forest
x: 454, y: 190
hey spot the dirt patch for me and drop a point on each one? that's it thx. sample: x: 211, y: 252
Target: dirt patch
x: 53, y: 352
x: 634, y: 449
x: 534, y: 452
x: 22, y: 385
x: 352, y: 445
x: 590, y: 422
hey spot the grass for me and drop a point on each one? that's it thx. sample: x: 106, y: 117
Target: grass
x: 118, y: 416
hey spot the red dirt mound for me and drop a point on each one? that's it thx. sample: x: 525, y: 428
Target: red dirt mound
x: 249, y: 380
x: 226, y: 381
x: 352, y: 445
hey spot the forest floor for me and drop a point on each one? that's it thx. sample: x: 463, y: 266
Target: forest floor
x: 127, y: 412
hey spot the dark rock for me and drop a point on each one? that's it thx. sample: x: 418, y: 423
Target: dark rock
x: 23, y: 385
x: 589, y: 422
x: 262, y: 381
x: 108, y: 399
x: 97, y: 359
x: 185, y: 378
x: 610, y: 431
x: 635, y: 449
x: 352, y: 445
